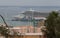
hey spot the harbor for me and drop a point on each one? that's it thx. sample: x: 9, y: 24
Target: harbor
x: 28, y: 31
x: 28, y: 24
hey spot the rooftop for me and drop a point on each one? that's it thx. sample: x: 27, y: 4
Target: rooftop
x: 27, y: 30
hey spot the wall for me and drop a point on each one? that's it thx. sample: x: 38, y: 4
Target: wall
x: 27, y: 36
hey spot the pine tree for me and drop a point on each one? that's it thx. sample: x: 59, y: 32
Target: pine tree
x: 51, y: 23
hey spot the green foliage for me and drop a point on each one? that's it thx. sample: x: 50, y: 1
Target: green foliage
x: 57, y: 34
x: 4, y: 31
x: 52, y: 24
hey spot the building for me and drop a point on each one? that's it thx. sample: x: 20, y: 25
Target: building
x: 28, y: 31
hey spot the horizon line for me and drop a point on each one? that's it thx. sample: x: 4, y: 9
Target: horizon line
x: 10, y: 5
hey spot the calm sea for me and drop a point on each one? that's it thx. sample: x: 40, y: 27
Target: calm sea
x: 9, y: 11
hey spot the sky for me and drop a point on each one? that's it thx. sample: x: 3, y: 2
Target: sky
x: 29, y: 2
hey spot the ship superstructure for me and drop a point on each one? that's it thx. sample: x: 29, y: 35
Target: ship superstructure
x: 30, y: 15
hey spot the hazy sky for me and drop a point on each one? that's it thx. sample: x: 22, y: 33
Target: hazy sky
x: 29, y: 2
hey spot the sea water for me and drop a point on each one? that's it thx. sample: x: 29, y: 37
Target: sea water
x: 9, y: 11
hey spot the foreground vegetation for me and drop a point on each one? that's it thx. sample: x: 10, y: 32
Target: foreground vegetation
x: 4, y: 31
x: 53, y: 25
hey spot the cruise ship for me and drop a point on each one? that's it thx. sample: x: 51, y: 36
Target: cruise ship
x: 30, y: 15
